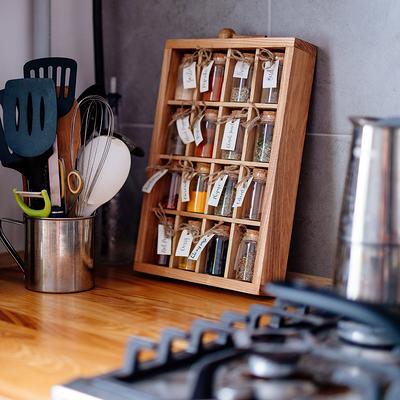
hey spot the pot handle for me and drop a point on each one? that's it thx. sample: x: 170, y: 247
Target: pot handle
x: 8, y: 245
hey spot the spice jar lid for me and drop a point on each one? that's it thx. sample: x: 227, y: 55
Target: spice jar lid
x: 251, y: 234
x: 203, y: 168
x: 259, y: 173
x: 268, y: 116
x: 195, y: 223
x: 211, y: 114
x: 219, y: 58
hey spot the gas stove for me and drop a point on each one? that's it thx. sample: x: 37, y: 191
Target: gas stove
x: 311, y: 344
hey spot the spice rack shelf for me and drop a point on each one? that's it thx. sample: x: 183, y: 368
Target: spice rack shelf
x: 283, y: 169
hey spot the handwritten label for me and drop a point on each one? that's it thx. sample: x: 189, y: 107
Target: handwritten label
x: 202, y: 243
x: 185, y: 193
x: 184, y: 131
x: 241, y: 191
x: 189, y: 76
x: 164, y: 242
x: 230, y: 134
x: 198, y: 136
x: 184, y: 244
x: 205, y: 77
x: 270, y: 76
x: 241, y: 70
x: 217, y: 190
x: 149, y: 184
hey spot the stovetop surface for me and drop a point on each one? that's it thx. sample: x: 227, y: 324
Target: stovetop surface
x: 310, y: 344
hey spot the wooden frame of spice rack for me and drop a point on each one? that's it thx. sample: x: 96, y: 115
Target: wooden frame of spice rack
x: 279, y: 201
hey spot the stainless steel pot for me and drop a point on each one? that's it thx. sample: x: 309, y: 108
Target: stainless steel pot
x: 58, y: 253
x: 368, y: 256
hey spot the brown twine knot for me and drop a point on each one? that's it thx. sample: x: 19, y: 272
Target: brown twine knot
x: 182, y: 113
x: 225, y: 118
x: 192, y: 229
x: 228, y: 170
x: 267, y: 57
x: 254, y: 121
x: 239, y: 56
x: 163, y: 220
x: 199, y: 112
x: 215, y: 229
x: 202, y: 56
x: 188, y: 170
x: 246, y: 176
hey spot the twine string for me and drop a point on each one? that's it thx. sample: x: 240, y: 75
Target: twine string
x: 192, y: 229
x: 267, y: 57
x: 228, y: 170
x: 163, y: 220
x: 254, y: 121
x: 239, y: 56
x: 240, y: 115
x: 246, y: 176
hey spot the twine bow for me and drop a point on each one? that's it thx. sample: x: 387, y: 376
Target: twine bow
x: 192, y: 229
x: 182, y: 113
x: 216, y: 229
x: 199, y: 112
x: 203, y: 56
x: 246, y: 176
x: 254, y: 121
x: 163, y: 220
x: 188, y: 170
x: 240, y: 115
x: 267, y: 57
x: 239, y: 56
x: 229, y: 170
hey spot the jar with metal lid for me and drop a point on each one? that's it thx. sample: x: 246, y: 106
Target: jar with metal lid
x: 163, y: 259
x: 263, y: 140
x: 246, y: 256
x: 180, y: 92
x: 270, y: 95
x: 198, y: 189
x: 241, y: 79
x: 236, y: 152
x: 217, y: 252
x: 184, y: 262
x: 224, y: 207
x: 175, y: 146
x: 216, y: 78
x: 252, y: 206
x: 208, y: 125
x: 171, y: 200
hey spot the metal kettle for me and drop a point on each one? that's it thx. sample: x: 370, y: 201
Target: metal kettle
x: 368, y: 255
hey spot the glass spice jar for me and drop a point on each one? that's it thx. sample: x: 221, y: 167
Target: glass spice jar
x: 171, y: 200
x: 240, y: 91
x: 175, y: 146
x: 207, y: 126
x: 184, y: 262
x: 180, y: 92
x: 216, y: 78
x: 217, y: 251
x: 263, y: 141
x: 271, y: 95
x: 198, y: 189
x: 224, y: 207
x: 252, y: 206
x: 236, y: 153
x: 163, y: 259
x: 246, y: 256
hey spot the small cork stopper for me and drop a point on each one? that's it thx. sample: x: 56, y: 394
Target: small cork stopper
x: 203, y: 168
x: 195, y: 223
x: 211, y: 115
x: 251, y: 234
x: 259, y: 174
x: 219, y: 58
x: 279, y: 56
x: 226, y: 33
x: 268, y: 116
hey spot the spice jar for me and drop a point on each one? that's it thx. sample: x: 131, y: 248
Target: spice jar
x: 216, y: 78
x: 180, y: 92
x: 252, y: 206
x: 246, y: 256
x: 171, y: 200
x: 236, y: 151
x: 184, y: 262
x: 198, y: 189
x: 175, y: 146
x: 269, y: 95
x: 163, y: 259
x: 241, y: 81
x: 207, y: 126
x: 263, y: 141
x: 217, y: 251
x: 224, y: 207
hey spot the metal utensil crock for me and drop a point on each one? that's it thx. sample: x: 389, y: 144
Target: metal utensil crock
x: 368, y: 256
x: 58, y: 254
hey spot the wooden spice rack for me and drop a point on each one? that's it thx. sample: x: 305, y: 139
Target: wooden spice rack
x: 279, y: 201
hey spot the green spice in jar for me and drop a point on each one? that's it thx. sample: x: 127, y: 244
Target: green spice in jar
x: 263, y: 141
x: 246, y: 256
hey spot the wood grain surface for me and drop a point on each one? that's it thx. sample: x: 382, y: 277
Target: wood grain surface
x: 47, y: 339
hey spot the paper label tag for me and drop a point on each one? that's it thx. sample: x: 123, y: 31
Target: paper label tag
x: 217, y: 190
x: 184, y: 244
x: 189, y: 76
x: 164, y: 242
x: 202, y: 243
x: 184, y: 131
x: 241, y: 191
x: 241, y: 70
x: 230, y: 134
x: 198, y: 136
x: 270, y: 76
x: 205, y: 77
x: 149, y: 184
x: 185, y: 193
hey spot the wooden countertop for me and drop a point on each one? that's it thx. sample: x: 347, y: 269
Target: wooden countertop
x: 46, y: 339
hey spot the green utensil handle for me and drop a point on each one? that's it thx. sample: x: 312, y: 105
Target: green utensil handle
x: 43, y: 213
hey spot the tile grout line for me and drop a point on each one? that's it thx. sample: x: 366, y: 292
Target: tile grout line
x: 136, y: 124
x: 269, y: 28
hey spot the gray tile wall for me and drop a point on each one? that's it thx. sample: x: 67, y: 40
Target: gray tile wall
x: 357, y: 73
